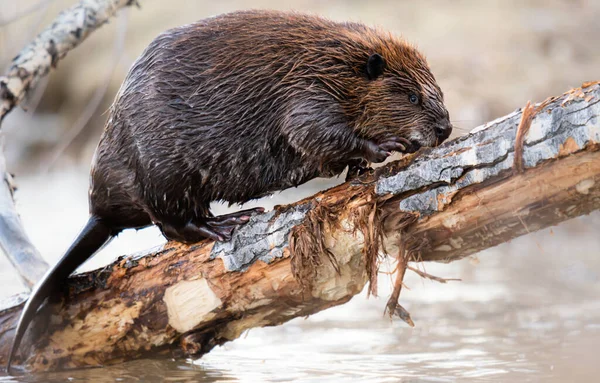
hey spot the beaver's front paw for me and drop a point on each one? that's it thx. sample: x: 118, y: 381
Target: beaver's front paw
x: 374, y: 152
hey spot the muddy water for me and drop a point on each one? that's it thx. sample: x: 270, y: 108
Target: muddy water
x: 524, y: 311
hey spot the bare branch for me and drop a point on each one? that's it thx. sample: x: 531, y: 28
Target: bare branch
x: 70, y: 28
x: 13, y: 240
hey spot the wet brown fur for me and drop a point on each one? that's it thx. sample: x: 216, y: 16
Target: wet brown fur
x: 238, y: 106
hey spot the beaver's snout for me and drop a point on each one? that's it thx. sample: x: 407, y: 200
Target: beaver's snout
x: 442, y: 130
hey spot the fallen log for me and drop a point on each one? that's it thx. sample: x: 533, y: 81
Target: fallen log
x: 440, y: 204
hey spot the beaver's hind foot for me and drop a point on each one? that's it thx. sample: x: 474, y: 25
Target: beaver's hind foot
x: 216, y: 228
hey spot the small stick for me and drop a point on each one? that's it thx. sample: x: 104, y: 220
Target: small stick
x: 529, y: 112
x: 423, y: 274
x: 526, y: 117
x: 393, y: 307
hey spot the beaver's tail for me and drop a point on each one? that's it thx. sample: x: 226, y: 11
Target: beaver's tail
x: 94, y: 235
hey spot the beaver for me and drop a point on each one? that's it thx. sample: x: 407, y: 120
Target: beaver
x: 237, y: 106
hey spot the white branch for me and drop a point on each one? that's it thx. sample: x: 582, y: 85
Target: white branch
x: 68, y: 30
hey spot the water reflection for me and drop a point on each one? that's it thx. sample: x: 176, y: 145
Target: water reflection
x: 138, y: 371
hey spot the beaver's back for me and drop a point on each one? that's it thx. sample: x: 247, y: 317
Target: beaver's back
x: 206, y: 103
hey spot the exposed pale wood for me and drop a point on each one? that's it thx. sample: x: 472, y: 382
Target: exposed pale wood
x: 450, y: 202
x: 34, y: 62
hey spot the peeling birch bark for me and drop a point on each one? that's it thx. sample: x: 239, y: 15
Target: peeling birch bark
x: 67, y: 31
x: 460, y: 198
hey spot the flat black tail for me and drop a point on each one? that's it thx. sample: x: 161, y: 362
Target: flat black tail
x: 93, y: 236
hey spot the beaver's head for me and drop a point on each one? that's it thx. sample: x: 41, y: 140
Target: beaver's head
x: 401, y: 97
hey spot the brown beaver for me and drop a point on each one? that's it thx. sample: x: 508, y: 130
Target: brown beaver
x: 238, y: 106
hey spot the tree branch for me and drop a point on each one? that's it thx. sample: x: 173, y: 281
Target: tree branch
x: 34, y: 62
x: 441, y: 204
x: 13, y: 240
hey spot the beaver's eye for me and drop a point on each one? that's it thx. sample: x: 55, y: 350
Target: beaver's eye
x: 413, y: 98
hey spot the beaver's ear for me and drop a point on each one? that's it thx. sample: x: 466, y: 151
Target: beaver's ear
x: 375, y: 66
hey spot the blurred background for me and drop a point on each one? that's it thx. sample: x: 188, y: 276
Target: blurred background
x: 528, y: 310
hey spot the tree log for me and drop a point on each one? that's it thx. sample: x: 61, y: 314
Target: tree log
x: 444, y: 203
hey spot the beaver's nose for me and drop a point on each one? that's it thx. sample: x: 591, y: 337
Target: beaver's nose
x: 443, y: 130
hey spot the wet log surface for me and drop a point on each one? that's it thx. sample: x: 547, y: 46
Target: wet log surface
x: 446, y: 202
